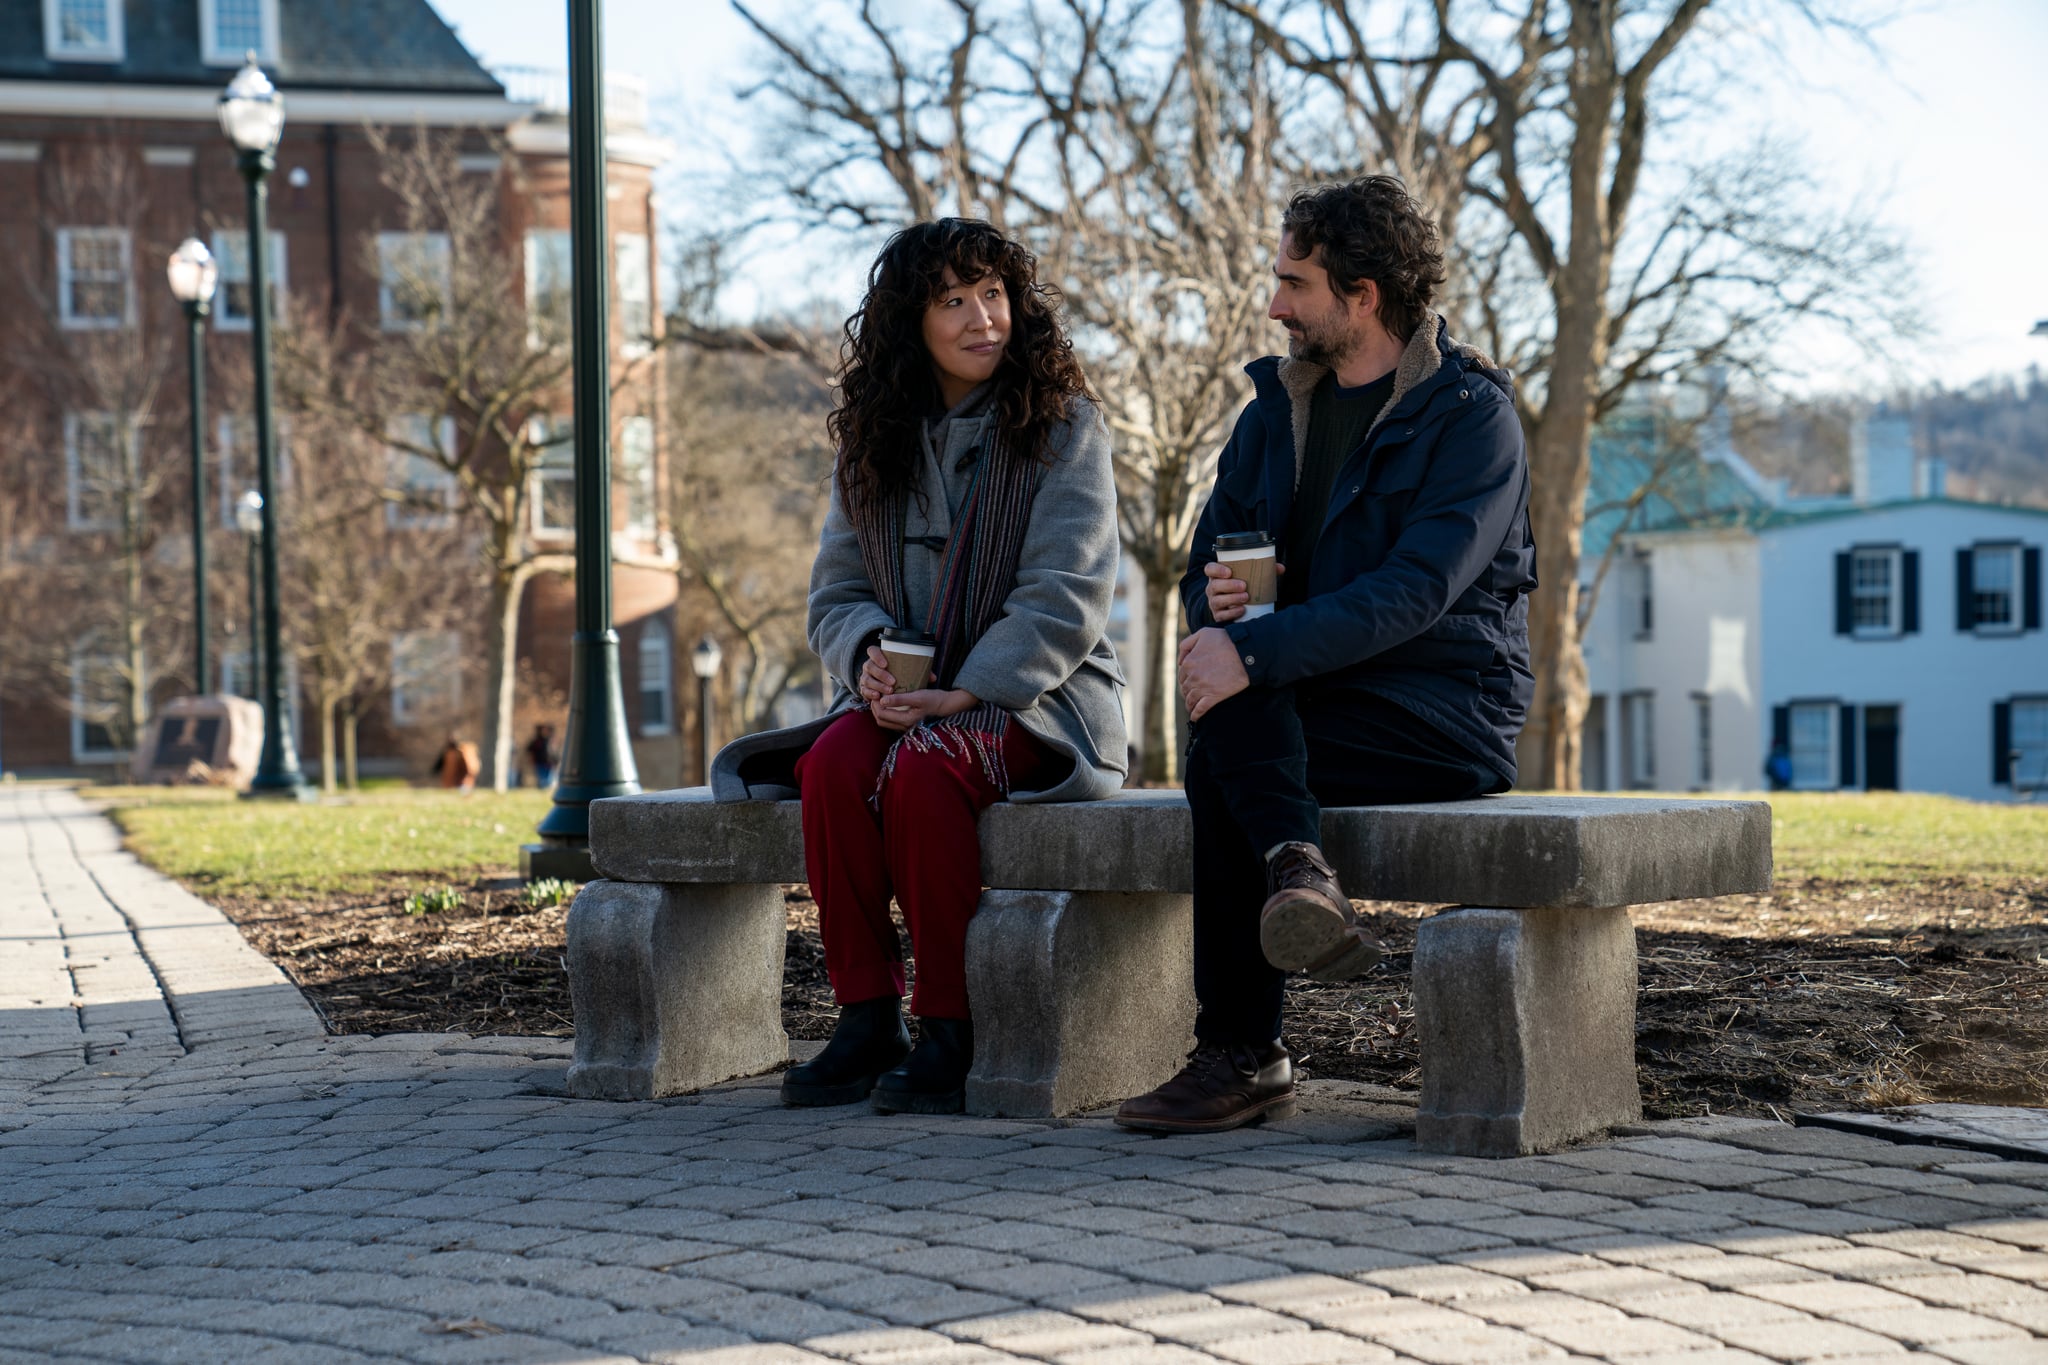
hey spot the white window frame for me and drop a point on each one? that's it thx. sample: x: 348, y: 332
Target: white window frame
x: 1895, y: 590
x: 114, y: 49
x: 657, y: 658
x: 636, y: 472
x: 444, y: 648
x: 400, y: 464
x: 81, y: 657
x: 1639, y: 740
x: 554, y: 462
x: 75, y: 487
x: 2028, y: 766
x: 635, y: 284
x: 229, y: 248
x: 214, y: 54
x: 391, y: 248
x: 539, y: 243
x: 1703, y: 740
x: 68, y: 275
x: 1830, y: 776
x: 2014, y: 589
x: 231, y: 431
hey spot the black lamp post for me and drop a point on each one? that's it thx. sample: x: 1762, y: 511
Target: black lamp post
x: 249, y: 520
x: 704, y: 661
x: 597, y: 755
x: 252, y: 115
x: 193, y: 275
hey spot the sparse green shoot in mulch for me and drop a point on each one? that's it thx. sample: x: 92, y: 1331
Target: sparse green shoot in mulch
x: 433, y: 900
x: 546, y: 892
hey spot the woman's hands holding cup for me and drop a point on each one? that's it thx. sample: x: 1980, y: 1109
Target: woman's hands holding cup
x: 1227, y: 595
x: 876, y: 681
x: 900, y: 711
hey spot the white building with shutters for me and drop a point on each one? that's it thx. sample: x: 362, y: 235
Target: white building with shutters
x: 1891, y: 639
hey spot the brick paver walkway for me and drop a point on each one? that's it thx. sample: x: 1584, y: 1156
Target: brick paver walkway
x: 190, y: 1171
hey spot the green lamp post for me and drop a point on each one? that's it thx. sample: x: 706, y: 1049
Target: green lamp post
x: 597, y: 756
x: 193, y: 275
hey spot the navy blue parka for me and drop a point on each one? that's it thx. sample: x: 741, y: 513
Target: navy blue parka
x: 1419, y: 584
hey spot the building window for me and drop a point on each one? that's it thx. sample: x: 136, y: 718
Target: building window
x: 236, y: 442
x: 1703, y: 740
x: 636, y: 468
x: 231, y: 29
x: 412, y: 279
x: 96, y: 460
x: 231, y: 304
x: 421, y: 495
x: 1593, y: 746
x: 2027, y: 744
x: 554, y: 476
x: 635, y: 274
x: 1639, y: 739
x: 83, y: 31
x: 549, y: 296
x: 94, y: 290
x: 1814, y: 731
x: 1874, y: 592
x: 1994, y: 588
x: 657, y: 686
x: 426, y: 676
x: 99, y: 707
x: 1643, y: 596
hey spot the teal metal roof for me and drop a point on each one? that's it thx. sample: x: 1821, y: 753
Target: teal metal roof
x: 1642, y: 482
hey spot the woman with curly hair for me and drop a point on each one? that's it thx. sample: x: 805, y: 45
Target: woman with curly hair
x: 972, y: 505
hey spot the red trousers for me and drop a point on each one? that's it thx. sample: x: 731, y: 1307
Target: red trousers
x: 922, y: 847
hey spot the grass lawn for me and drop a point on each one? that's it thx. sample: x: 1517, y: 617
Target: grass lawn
x: 341, y: 846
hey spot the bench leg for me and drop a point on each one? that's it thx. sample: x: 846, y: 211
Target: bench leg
x: 674, y: 987
x: 1527, y: 1024
x: 1079, y: 998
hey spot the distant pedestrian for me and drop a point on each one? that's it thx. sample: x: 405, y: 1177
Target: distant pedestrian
x: 1778, y: 768
x: 540, y: 756
x: 458, y: 764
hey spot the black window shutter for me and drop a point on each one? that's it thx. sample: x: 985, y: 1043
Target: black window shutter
x: 2001, y: 743
x: 1848, y: 749
x: 1845, y: 601
x: 2030, y: 587
x: 1966, y: 589
x: 1909, y: 593
x: 1781, y: 728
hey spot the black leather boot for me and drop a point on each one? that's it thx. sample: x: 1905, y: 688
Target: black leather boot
x: 869, y: 1039
x: 1223, y: 1086
x: 934, y: 1079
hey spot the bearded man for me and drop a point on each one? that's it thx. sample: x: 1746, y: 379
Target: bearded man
x: 1386, y: 463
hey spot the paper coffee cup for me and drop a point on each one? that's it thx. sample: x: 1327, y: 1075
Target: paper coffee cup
x: 1251, y: 557
x: 909, y: 653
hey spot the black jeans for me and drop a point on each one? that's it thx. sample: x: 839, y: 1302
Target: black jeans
x: 1261, y: 767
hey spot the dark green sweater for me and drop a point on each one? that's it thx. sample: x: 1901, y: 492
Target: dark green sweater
x: 1337, y: 422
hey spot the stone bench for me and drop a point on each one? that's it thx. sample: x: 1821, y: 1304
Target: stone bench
x: 1079, y: 956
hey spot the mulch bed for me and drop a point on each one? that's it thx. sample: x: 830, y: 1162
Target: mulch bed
x: 1819, y: 995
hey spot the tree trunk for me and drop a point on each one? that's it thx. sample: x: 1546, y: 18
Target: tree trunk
x: 348, y: 744
x: 131, y: 600
x: 327, y: 753
x: 1161, y: 757
x: 501, y: 647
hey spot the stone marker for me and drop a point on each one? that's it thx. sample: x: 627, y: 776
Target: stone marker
x: 213, y: 740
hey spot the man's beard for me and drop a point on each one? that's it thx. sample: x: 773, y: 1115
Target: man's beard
x: 1328, y: 345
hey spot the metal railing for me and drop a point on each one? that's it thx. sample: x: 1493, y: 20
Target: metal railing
x: 547, y: 89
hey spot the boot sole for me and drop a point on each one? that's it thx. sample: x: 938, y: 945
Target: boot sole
x: 1279, y: 1107
x: 1307, y: 936
x: 800, y: 1096
x: 904, y: 1102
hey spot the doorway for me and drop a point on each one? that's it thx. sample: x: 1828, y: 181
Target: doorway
x: 1881, y: 748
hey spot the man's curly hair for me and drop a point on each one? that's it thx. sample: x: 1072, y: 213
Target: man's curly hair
x: 1371, y: 228
x: 887, y: 383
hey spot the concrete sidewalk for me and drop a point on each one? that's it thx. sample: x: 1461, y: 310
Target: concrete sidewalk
x: 190, y: 1170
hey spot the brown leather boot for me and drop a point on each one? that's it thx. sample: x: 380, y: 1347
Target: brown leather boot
x: 1222, y: 1086
x: 1307, y: 925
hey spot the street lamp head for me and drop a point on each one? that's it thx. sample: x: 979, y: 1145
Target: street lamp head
x: 705, y: 658
x: 193, y: 273
x: 2040, y: 329
x: 249, y: 513
x: 251, y: 111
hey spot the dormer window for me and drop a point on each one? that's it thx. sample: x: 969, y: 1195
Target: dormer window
x: 83, y: 30
x: 229, y: 30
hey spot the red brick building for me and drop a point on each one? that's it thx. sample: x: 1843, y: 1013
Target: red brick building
x: 110, y: 154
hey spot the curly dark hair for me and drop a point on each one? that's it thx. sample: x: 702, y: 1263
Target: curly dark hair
x: 887, y: 382
x: 1371, y: 228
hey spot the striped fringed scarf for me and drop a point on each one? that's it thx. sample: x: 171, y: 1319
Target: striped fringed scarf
x: 975, y: 578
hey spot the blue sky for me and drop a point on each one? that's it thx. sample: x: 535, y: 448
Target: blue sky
x: 1948, y: 124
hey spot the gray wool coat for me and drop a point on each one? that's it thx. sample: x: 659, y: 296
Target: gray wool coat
x: 1047, y: 660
